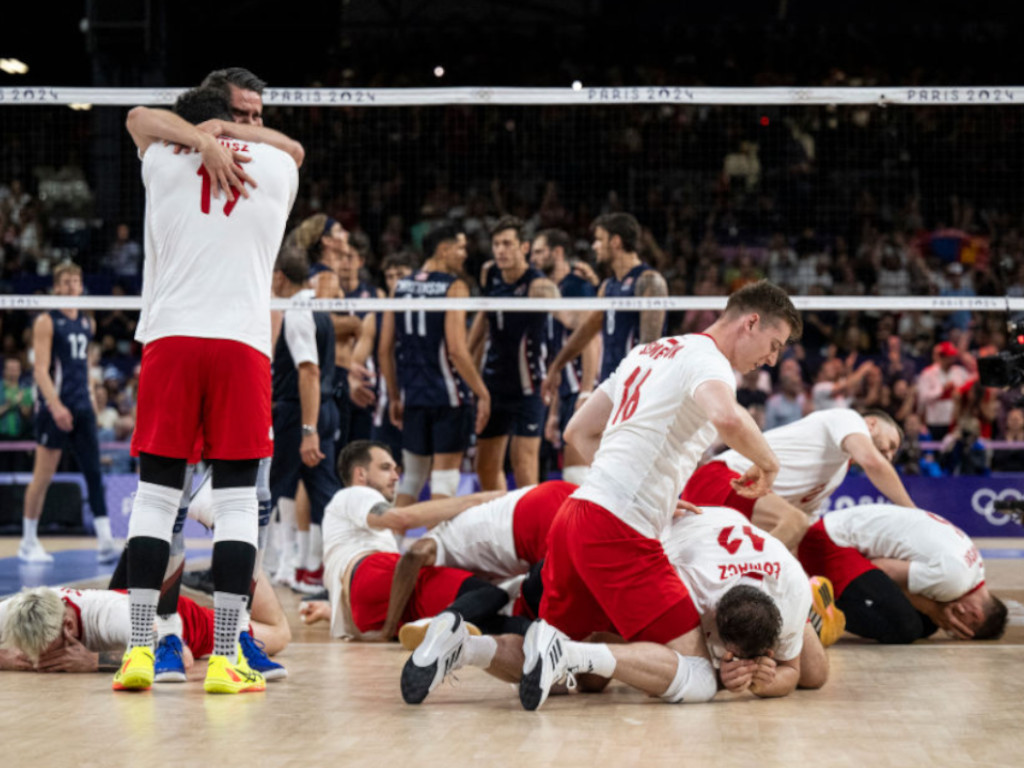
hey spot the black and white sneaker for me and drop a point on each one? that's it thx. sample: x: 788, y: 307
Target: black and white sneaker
x: 545, y: 664
x: 437, y: 656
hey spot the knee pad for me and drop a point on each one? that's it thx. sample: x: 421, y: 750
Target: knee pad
x: 444, y: 482
x: 154, y: 511
x: 575, y: 474
x: 415, y: 470
x: 200, y: 508
x: 263, y: 481
x: 234, y: 515
x: 695, y: 681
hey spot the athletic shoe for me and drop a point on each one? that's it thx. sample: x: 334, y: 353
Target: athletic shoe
x: 826, y: 618
x: 258, y: 659
x: 108, y: 553
x: 226, y: 676
x: 136, y: 672
x: 33, y: 552
x: 308, y: 582
x: 200, y: 581
x: 438, y: 656
x: 411, y: 635
x: 168, y: 666
x: 544, y: 665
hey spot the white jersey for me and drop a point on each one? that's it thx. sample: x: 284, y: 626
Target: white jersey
x: 209, y: 262
x: 347, y: 535
x: 300, y: 332
x: 720, y: 549
x: 944, y: 562
x: 656, y: 433
x: 812, y: 461
x: 103, y: 616
x: 481, y: 538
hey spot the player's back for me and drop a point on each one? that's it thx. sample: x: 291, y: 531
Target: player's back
x: 209, y: 260
x: 657, y: 432
x: 516, y: 357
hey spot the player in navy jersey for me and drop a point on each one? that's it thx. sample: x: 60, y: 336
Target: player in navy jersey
x: 515, y: 361
x: 356, y: 418
x: 549, y: 255
x: 425, y: 360
x: 616, y: 236
x: 305, y: 416
x: 64, y: 416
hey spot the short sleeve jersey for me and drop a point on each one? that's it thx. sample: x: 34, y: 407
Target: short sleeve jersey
x: 812, y: 461
x: 720, y: 549
x: 103, y: 616
x: 209, y: 261
x: 656, y: 433
x: 944, y: 563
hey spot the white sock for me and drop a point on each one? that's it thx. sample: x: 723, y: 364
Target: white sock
x: 316, y: 548
x: 30, y: 530
x: 590, y: 658
x: 575, y: 474
x: 303, y: 537
x: 479, y: 651
x: 103, y: 537
x: 168, y: 625
x: 244, y: 619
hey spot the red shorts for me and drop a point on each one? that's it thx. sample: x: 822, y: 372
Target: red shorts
x: 602, y: 575
x: 532, y: 518
x: 710, y: 486
x: 213, y: 390
x: 820, y: 556
x: 436, y: 589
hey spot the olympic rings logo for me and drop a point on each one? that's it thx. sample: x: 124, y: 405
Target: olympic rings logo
x: 982, y: 501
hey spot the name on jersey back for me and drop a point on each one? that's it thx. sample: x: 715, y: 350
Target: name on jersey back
x: 425, y: 289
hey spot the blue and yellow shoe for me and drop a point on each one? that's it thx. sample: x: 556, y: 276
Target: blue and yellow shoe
x: 826, y: 618
x: 258, y: 660
x: 226, y: 676
x: 169, y: 666
x: 136, y: 672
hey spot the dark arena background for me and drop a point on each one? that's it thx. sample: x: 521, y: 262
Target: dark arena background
x: 867, y: 159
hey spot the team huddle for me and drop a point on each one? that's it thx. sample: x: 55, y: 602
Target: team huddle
x: 648, y: 564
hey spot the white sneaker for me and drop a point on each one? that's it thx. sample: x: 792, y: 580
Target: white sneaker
x: 33, y: 552
x: 412, y: 634
x: 438, y: 656
x: 545, y: 664
x: 107, y: 552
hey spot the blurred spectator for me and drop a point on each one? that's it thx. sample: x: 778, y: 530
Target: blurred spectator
x: 790, y: 403
x: 963, y: 452
x: 836, y: 386
x: 938, y: 387
x: 1011, y: 459
x: 956, y: 284
x: 125, y: 255
x: 15, y: 402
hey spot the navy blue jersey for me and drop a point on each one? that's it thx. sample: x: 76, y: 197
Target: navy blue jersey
x: 621, y: 330
x: 426, y: 374
x: 572, y: 285
x: 286, y: 373
x: 69, y: 366
x: 516, y: 359
x: 362, y: 291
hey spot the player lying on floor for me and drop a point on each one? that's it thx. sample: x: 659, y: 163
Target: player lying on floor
x: 48, y: 629
x: 752, y: 595
x: 899, y: 574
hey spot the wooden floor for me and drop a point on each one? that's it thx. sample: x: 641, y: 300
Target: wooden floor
x: 937, y: 703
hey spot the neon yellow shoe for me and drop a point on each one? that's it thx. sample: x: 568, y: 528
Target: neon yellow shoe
x: 411, y: 635
x: 826, y: 618
x: 226, y: 676
x: 136, y: 672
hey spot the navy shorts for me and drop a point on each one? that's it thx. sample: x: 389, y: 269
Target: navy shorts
x: 49, y: 435
x: 521, y: 417
x: 566, y: 408
x: 287, y: 468
x: 427, y: 430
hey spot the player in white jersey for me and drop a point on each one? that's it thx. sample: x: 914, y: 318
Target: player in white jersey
x: 87, y: 630
x: 205, y: 324
x: 719, y: 550
x: 814, y: 456
x: 645, y: 429
x: 899, y: 573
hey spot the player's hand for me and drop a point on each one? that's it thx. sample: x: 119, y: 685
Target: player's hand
x: 736, y: 674
x: 62, y: 417
x: 483, y: 413
x: 224, y: 170
x: 551, y: 432
x: 395, y: 413
x: 685, y: 507
x: 952, y: 620
x: 360, y: 386
x: 312, y: 611
x: 549, y: 387
x: 14, y: 661
x: 309, y: 449
x: 764, y: 673
x: 755, y: 482
x: 73, y: 657
x: 213, y: 127
x: 584, y: 270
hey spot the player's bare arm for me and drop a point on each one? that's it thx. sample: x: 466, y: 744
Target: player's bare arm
x: 773, y: 678
x: 147, y: 126
x: 458, y: 350
x: 309, y: 399
x: 425, y: 514
x: 651, y: 283
x: 878, y: 468
x: 359, y: 377
x: 42, y: 345
x: 388, y: 369
x: 584, y: 430
x: 256, y: 133
x: 573, y: 348
x: 421, y: 554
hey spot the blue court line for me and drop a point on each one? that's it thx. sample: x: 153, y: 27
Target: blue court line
x: 69, y: 565
x: 1002, y: 554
